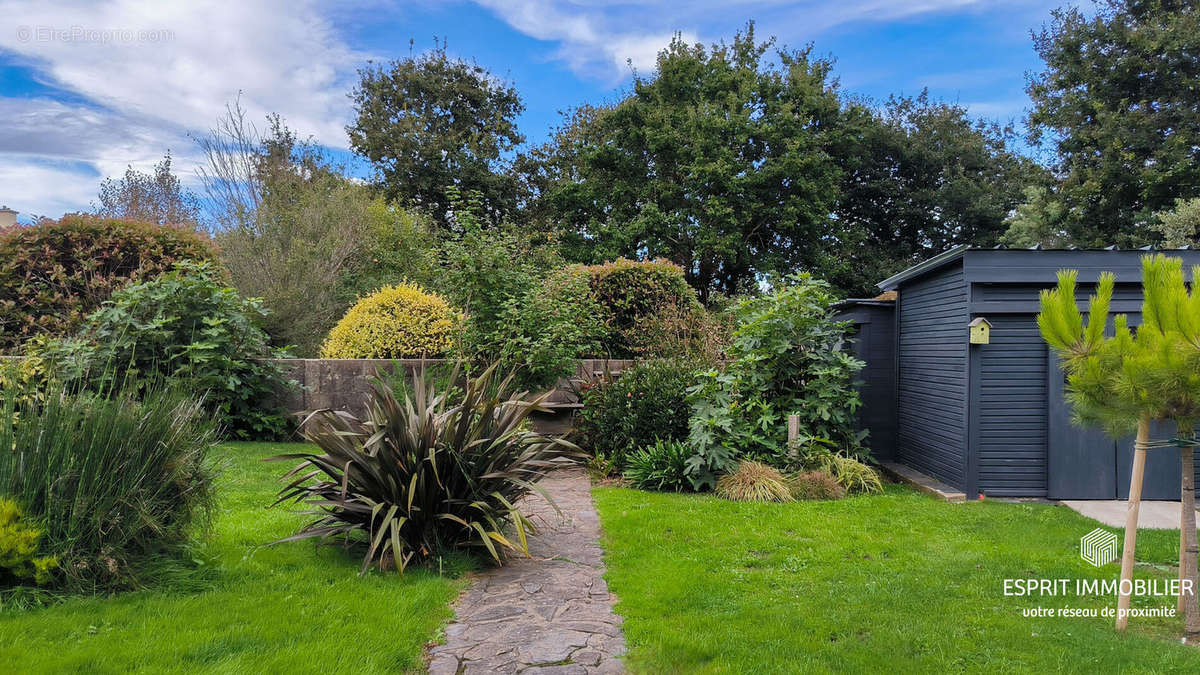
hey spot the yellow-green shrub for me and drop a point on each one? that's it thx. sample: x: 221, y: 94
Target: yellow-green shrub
x: 19, y: 543
x: 394, y: 322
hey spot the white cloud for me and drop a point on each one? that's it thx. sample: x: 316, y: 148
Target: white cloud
x: 150, y: 72
x: 181, y: 61
x: 596, y: 37
x: 591, y: 43
x: 33, y: 187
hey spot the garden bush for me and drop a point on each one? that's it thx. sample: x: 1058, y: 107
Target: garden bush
x: 423, y: 475
x: 55, y: 273
x: 523, y: 309
x: 661, y: 466
x: 395, y: 322
x: 117, y: 485
x: 647, y: 401
x: 20, y: 543
x: 642, y: 303
x: 186, y: 325
x: 754, y: 481
x: 541, y: 335
x: 786, y: 358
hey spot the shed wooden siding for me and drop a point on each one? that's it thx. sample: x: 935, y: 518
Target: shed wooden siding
x: 1011, y: 404
x: 875, y: 345
x: 932, y: 377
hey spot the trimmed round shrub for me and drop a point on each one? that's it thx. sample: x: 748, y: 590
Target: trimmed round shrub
x: 641, y: 301
x: 648, y: 401
x: 55, y: 273
x: 395, y: 322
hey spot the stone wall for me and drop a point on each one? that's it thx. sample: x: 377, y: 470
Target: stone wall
x: 343, y: 384
x: 340, y: 384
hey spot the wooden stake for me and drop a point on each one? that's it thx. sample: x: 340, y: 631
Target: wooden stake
x: 1188, y: 549
x: 793, y: 431
x: 1131, y: 521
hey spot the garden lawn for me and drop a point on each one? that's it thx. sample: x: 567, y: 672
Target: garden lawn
x: 269, y: 609
x: 897, y: 582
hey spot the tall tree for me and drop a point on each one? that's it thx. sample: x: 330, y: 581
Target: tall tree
x: 723, y: 161
x: 430, y: 122
x: 921, y: 178
x: 1118, y: 99
x: 156, y: 197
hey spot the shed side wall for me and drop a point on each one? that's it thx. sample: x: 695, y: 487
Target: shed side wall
x: 932, y: 379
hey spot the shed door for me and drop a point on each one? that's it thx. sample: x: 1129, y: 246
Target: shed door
x: 1081, y: 462
x: 1161, y: 480
x: 1084, y: 463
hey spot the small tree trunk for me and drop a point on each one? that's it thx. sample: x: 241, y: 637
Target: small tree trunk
x: 1187, y: 533
x: 1180, y: 604
x: 1131, y: 520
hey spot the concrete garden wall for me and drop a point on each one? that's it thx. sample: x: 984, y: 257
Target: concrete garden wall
x: 343, y: 384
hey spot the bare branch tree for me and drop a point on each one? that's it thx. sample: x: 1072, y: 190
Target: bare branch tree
x: 232, y: 184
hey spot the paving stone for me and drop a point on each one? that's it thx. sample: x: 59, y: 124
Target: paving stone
x: 443, y: 665
x: 549, y: 613
x: 501, y: 667
x: 591, y: 627
x: 495, y: 614
x: 553, y: 646
x: 562, y: 669
x: 587, y: 657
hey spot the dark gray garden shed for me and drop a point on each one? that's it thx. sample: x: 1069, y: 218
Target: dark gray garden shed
x: 991, y: 418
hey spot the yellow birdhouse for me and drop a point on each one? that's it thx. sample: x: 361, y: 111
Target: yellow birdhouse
x: 980, y: 331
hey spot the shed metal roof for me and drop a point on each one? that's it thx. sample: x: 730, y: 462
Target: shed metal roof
x: 1047, y: 261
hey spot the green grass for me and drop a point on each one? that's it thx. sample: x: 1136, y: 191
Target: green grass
x: 896, y: 582
x: 262, y: 609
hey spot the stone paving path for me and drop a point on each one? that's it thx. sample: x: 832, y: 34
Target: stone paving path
x: 551, y: 613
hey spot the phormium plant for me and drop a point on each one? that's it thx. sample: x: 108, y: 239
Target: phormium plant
x: 423, y: 474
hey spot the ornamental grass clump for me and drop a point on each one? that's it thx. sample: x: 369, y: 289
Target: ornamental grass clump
x: 754, y: 481
x: 117, y: 486
x: 853, y: 476
x: 815, y: 485
x: 661, y: 466
x: 424, y: 474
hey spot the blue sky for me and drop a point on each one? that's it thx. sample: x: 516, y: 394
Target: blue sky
x: 87, y: 88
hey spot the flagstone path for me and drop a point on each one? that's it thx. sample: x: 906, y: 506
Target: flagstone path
x: 550, y: 613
